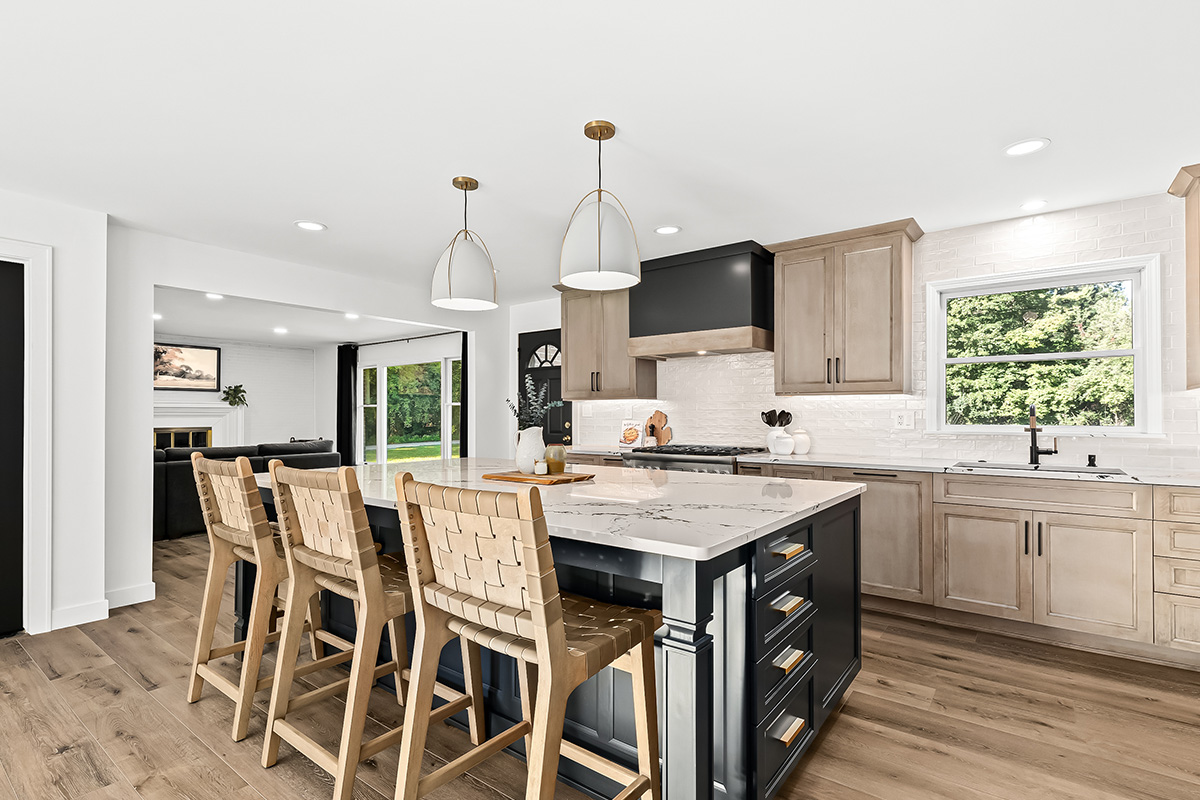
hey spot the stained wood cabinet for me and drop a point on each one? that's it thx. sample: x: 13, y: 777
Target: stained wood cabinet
x: 595, y: 349
x: 982, y: 560
x: 897, y: 532
x: 843, y: 311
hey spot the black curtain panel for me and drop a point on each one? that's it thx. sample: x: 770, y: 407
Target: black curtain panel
x: 12, y: 466
x: 347, y: 390
x: 462, y: 397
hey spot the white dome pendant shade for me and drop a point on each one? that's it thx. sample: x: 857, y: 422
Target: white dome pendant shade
x: 464, y: 278
x: 599, y: 249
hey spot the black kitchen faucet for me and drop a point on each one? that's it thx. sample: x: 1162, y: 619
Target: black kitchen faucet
x: 1035, y: 452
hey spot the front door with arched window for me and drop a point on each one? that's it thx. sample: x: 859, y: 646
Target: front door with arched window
x: 540, y: 357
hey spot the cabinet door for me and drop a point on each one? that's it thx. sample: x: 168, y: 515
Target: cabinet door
x: 803, y: 314
x: 897, y: 532
x: 1095, y: 574
x: 982, y: 561
x: 580, y: 341
x: 869, y: 331
x: 617, y: 370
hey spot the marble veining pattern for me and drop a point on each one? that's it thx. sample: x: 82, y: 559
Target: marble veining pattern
x: 688, y: 515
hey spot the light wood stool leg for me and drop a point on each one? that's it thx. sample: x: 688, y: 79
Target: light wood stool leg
x: 316, y: 646
x: 220, y: 558
x: 645, y: 714
x: 262, y: 613
x: 527, y: 680
x: 300, y: 589
x: 398, y: 637
x: 428, y: 652
x: 362, y: 677
x: 473, y: 684
x: 549, y: 715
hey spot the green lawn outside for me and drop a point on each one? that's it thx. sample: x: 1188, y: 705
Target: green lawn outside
x: 421, y: 452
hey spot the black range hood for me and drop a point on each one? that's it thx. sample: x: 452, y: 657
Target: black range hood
x: 719, y: 300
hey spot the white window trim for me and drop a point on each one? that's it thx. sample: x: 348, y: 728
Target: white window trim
x: 380, y: 415
x: 448, y: 405
x: 1144, y: 271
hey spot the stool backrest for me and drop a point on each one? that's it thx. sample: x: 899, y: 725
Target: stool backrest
x: 229, y: 500
x: 323, y: 520
x: 483, y: 557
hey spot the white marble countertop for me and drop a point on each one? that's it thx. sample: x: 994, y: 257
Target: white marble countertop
x: 690, y: 515
x: 923, y: 464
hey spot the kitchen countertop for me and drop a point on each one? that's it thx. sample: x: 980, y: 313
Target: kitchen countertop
x: 690, y: 515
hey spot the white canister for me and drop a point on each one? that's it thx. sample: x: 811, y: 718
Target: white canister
x: 783, y: 444
x: 803, y: 443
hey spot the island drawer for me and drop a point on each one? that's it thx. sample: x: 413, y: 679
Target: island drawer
x: 780, y: 553
x: 783, y: 610
x: 1127, y: 500
x: 1177, y: 540
x: 1177, y: 576
x: 784, y: 736
x: 789, y: 663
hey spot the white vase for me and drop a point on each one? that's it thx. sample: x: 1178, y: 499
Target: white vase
x: 784, y: 444
x: 803, y: 442
x: 530, y: 449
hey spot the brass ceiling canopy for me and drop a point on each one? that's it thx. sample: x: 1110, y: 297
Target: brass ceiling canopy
x: 600, y: 130
x: 465, y: 183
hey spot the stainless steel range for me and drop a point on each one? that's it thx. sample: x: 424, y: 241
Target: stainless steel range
x: 688, y: 457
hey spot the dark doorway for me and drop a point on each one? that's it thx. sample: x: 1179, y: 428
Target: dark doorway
x: 539, y: 356
x: 12, y: 466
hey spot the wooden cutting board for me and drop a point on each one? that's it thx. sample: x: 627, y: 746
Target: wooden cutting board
x: 541, y: 480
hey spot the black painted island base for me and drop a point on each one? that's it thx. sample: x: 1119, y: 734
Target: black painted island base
x: 757, y: 649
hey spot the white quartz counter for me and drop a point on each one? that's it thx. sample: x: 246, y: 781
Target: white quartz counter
x: 690, y: 515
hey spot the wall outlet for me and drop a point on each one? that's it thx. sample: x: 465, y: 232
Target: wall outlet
x: 904, y: 420
x: 587, y: 409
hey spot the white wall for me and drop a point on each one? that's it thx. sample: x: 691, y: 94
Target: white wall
x: 716, y: 399
x: 280, y: 382
x: 78, y: 452
x: 325, y: 369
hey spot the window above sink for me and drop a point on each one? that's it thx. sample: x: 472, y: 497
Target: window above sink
x: 1080, y: 342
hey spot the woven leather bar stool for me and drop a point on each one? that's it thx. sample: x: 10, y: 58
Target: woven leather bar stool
x: 481, y: 568
x: 238, y: 530
x: 328, y: 545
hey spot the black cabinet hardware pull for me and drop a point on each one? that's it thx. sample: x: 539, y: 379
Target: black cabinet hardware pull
x: 593, y: 381
x: 829, y: 370
x: 875, y: 474
x: 837, y: 369
x: 598, y: 389
x: 1039, y: 540
x: 1026, y: 537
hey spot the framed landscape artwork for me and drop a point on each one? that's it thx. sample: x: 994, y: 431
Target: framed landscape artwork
x: 187, y: 367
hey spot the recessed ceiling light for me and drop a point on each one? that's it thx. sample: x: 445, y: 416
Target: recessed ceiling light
x: 309, y: 225
x: 281, y: 330
x: 701, y: 352
x: 214, y: 296
x: 667, y: 230
x: 1033, y: 205
x: 351, y: 316
x: 1026, y: 146
x: 158, y: 316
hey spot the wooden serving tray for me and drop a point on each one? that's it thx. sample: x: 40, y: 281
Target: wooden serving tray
x: 541, y: 480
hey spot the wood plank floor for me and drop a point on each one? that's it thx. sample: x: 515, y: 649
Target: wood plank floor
x: 98, y: 712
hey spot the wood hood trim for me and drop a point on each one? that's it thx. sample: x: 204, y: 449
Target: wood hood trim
x: 720, y: 341
x: 1184, y: 181
x: 908, y: 227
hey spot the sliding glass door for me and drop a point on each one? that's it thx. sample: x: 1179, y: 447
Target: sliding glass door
x: 410, y: 412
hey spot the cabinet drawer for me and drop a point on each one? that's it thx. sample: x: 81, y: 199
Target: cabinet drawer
x: 1177, y: 576
x: 1177, y: 622
x: 1177, y: 539
x: 783, y: 610
x: 778, y: 553
x: 794, y: 471
x: 784, y: 736
x: 750, y: 469
x: 785, y: 666
x: 1047, y: 494
x: 1177, y: 503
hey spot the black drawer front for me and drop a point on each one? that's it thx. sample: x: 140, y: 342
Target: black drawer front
x: 783, y: 737
x: 779, y: 553
x: 782, y: 610
x: 789, y: 663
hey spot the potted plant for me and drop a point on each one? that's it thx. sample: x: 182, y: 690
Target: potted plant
x: 530, y: 446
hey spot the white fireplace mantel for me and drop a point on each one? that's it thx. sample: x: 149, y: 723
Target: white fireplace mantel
x: 228, y: 423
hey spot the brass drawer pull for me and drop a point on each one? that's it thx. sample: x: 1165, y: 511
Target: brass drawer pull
x: 789, y: 660
x: 793, y: 731
x: 789, y: 552
x: 787, y: 604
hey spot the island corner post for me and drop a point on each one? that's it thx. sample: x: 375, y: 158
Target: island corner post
x: 725, y: 705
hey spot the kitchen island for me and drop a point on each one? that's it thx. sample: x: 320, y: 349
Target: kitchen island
x: 758, y: 582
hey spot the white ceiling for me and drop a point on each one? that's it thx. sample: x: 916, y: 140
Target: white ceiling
x: 222, y: 122
x: 240, y: 319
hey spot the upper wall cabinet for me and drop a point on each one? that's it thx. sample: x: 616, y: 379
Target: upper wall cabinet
x: 595, y: 348
x: 1187, y: 186
x: 843, y: 311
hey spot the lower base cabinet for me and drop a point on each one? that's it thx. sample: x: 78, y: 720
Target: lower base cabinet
x: 1177, y: 622
x: 982, y: 561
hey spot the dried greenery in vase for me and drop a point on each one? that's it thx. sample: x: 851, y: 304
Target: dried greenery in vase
x: 235, y: 395
x: 531, y: 413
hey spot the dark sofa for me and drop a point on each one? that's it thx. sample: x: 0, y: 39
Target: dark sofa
x: 176, y: 506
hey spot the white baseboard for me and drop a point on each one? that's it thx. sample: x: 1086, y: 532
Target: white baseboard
x: 130, y: 595
x: 78, y: 615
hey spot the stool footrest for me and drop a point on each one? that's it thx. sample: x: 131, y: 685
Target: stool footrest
x: 598, y: 763
x: 307, y: 746
x: 218, y: 681
x: 472, y: 758
x: 636, y: 789
x: 323, y: 663
x: 333, y: 639
x: 329, y: 690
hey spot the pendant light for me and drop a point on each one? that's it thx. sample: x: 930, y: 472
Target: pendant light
x: 464, y: 278
x: 599, y: 249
